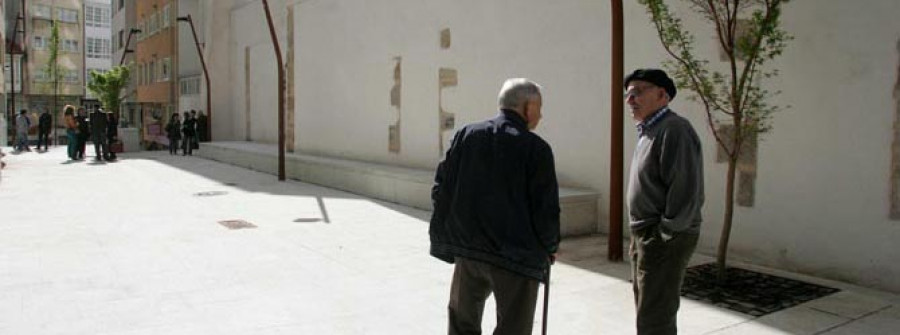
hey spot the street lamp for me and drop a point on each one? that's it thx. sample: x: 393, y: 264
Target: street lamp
x: 281, y: 88
x: 128, y: 41
x: 189, y: 20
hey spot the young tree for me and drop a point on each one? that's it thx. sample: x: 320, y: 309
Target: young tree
x: 52, y: 69
x: 749, y: 35
x: 107, y: 86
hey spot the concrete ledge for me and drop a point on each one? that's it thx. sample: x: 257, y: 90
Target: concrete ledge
x: 406, y: 186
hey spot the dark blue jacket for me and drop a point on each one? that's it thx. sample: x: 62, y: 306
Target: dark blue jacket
x: 496, y: 198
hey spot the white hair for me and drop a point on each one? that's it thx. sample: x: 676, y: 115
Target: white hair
x: 515, y: 92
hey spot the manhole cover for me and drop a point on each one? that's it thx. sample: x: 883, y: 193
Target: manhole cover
x: 308, y: 220
x: 230, y: 184
x: 237, y: 224
x: 748, y: 292
x: 210, y: 193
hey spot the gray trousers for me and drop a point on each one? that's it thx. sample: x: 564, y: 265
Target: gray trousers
x: 474, y: 281
x: 657, y: 271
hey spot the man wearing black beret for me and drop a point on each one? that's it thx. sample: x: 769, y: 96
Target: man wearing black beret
x: 665, y: 194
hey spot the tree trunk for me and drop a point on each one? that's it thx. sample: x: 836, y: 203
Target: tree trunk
x: 722, y: 254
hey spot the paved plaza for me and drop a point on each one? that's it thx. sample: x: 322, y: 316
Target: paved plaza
x: 136, y: 247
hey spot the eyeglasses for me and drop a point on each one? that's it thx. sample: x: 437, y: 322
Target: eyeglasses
x: 638, y: 91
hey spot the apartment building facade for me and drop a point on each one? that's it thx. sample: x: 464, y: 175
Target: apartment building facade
x: 97, y: 41
x: 155, y: 66
x: 44, y: 91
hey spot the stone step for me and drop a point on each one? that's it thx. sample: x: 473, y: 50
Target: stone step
x: 402, y: 185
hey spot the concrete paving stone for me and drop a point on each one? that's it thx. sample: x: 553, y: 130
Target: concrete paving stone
x: 848, y: 304
x: 157, y: 261
x: 796, y: 320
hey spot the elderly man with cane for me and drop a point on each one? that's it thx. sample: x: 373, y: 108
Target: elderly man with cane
x: 496, y: 214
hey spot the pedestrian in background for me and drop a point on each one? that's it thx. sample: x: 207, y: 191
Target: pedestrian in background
x: 496, y: 214
x: 45, y: 122
x: 23, y: 124
x: 203, y: 127
x: 665, y: 194
x: 112, y: 134
x: 99, y: 125
x: 71, y: 131
x: 84, y: 132
x: 189, y: 130
x: 173, y: 132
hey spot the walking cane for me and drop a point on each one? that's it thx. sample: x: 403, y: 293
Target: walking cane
x: 546, y: 299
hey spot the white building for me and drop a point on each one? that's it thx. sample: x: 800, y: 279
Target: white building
x: 191, y: 86
x: 827, y: 178
x: 97, y: 40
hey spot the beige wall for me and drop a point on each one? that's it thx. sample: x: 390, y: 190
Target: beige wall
x: 823, y: 174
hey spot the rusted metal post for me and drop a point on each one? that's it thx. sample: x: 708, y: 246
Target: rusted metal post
x: 205, y: 76
x: 280, y: 91
x: 616, y: 178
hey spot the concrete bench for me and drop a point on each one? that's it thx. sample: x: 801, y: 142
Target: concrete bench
x: 406, y: 186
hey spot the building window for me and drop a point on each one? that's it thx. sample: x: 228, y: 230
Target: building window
x: 121, y: 39
x: 42, y: 12
x: 41, y: 75
x: 97, y: 48
x: 164, y: 17
x: 154, y: 23
x: 67, y: 15
x: 69, y: 76
x: 152, y: 70
x: 96, y: 16
x: 165, y: 69
x: 69, y: 45
x: 190, y: 86
x: 40, y: 42
x: 121, y: 4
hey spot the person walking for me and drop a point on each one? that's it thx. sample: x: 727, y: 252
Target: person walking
x: 189, y: 129
x: 203, y: 127
x: 196, y: 140
x: 665, y: 194
x: 173, y: 132
x: 71, y: 131
x: 45, y: 122
x: 496, y: 214
x: 99, y: 125
x: 112, y: 133
x: 23, y: 125
x: 84, y: 132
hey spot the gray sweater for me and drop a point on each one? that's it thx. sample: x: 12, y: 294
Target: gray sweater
x: 666, y: 183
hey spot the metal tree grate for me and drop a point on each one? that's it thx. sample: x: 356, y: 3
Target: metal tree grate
x: 749, y: 292
x: 237, y: 224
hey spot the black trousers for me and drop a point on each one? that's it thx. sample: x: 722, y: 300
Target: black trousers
x: 101, y: 150
x: 657, y: 269
x: 474, y: 281
x: 43, y: 138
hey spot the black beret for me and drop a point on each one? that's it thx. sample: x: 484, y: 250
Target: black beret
x: 654, y: 76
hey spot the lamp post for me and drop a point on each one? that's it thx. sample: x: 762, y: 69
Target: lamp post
x: 280, y: 91
x: 189, y: 20
x: 128, y: 41
x: 616, y: 178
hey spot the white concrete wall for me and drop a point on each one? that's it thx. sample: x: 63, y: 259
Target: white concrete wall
x: 822, y: 185
x: 822, y: 189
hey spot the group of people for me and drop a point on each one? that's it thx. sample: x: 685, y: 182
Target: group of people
x: 100, y: 127
x: 23, y: 126
x: 188, y: 133
x: 496, y: 208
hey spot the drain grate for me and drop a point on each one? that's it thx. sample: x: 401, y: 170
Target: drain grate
x: 237, y: 224
x: 210, y: 193
x: 748, y: 292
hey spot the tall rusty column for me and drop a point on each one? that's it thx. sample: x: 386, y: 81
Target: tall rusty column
x: 281, y: 83
x: 616, y: 183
